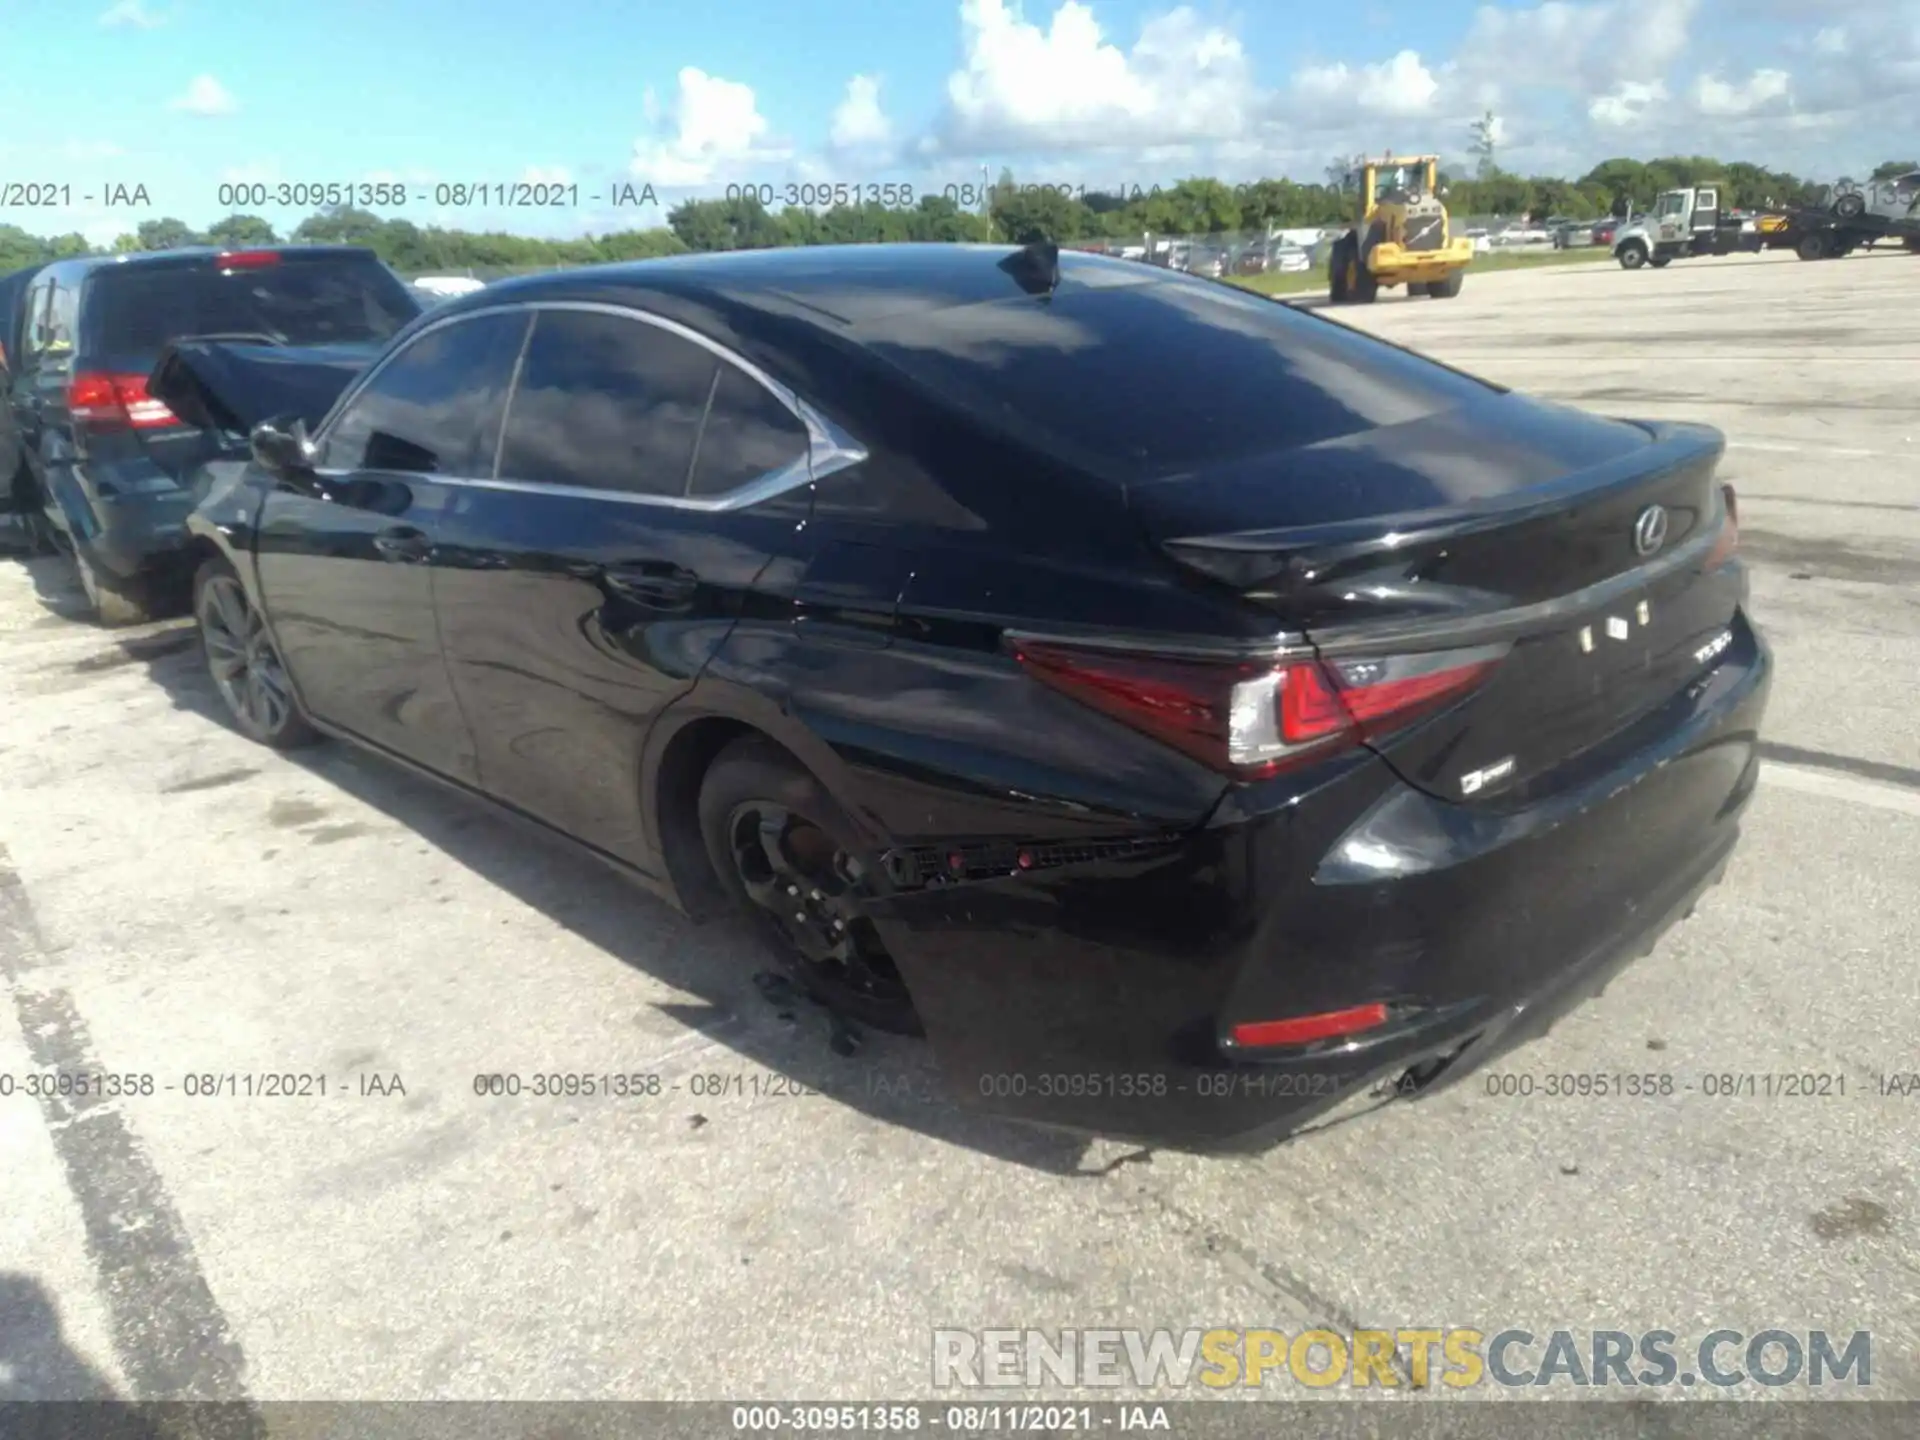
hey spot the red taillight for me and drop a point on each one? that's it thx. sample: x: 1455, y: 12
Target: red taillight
x: 1304, y: 1029
x: 1252, y: 719
x: 246, y: 259
x: 103, y: 401
x: 1728, y: 540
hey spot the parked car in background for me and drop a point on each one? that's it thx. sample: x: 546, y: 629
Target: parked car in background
x: 1482, y: 240
x: 1205, y: 262
x: 14, y: 489
x: 1604, y: 231
x: 1572, y: 235
x: 1523, y: 234
x: 1288, y: 259
x: 436, y: 288
x: 811, y: 583
x: 105, y: 462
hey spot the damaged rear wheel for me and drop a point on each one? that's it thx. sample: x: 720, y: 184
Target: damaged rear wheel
x: 788, y: 857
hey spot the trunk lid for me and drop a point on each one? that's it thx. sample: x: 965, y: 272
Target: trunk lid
x: 230, y: 385
x: 1509, y: 522
x: 221, y: 389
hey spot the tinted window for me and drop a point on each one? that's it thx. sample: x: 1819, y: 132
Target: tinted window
x: 1163, y: 373
x: 13, y: 305
x: 435, y: 409
x: 33, y: 311
x: 62, y: 310
x: 607, y: 403
x: 748, y: 434
x: 134, y: 310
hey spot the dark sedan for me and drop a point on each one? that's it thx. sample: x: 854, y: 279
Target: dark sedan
x: 1181, y: 748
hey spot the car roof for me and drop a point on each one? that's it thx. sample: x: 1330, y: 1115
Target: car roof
x: 190, y: 255
x: 832, y: 286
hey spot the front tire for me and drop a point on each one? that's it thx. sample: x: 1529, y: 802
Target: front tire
x: 1448, y: 288
x: 1633, y: 255
x: 244, y: 662
x: 786, y: 854
x: 1811, y: 247
x: 1339, y: 273
x: 34, y: 524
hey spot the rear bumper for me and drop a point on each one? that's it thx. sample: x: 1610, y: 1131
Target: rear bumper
x: 1097, y: 1001
x: 131, y: 527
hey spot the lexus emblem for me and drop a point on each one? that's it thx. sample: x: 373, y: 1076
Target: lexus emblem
x: 1650, y: 529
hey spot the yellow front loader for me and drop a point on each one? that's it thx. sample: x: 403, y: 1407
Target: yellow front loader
x: 1401, y: 235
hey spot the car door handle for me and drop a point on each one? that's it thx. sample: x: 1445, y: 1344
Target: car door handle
x: 657, y: 586
x: 403, y: 544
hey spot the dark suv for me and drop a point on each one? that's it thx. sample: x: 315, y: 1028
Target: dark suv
x: 104, y: 465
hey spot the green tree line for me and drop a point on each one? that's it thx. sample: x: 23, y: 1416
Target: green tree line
x: 1012, y: 212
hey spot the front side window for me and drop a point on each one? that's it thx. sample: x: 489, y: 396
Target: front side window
x: 609, y: 403
x: 63, y: 309
x: 33, y: 317
x: 435, y: 408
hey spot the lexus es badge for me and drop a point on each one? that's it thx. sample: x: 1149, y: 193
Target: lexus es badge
x: 1650, y: 529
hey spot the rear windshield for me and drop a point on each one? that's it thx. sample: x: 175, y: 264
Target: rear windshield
x: 135, y: 311
x: 1141, y: 374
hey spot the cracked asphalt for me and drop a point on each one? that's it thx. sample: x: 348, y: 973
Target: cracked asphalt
x: 794, y: 1222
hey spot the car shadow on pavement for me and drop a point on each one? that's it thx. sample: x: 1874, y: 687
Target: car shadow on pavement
x: 36, y: 1363
x: 742, y: 1004
x: 55, y: 585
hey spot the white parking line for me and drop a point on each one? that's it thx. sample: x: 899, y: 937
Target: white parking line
x: 1875, y: 793
x: 1820, y: 450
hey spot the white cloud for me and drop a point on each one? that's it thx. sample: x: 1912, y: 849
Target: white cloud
x: 717, y: 132
x: 1400, y: 86
x: 858, y: 122
x: 1627, y: 104
x: 546, y: 175
x: 1714, y: 96
x: 1832, y: 40
x: 130, y: 13
x: 1022, y: 88
x: 1590, y: 49
x: 206, y: 96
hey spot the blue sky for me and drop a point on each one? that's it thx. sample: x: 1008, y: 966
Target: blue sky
x: 182, y: 96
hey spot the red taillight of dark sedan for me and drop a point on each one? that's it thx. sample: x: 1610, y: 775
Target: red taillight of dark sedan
x: 1254, y: 719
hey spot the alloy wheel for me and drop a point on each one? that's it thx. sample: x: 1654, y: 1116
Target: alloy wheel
x: 245, y: 666
x: 813, y: 892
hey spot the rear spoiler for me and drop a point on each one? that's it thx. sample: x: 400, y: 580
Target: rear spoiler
x: 229, y: 386
x: 1292, y: 555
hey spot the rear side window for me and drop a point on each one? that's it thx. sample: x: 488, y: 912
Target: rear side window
x: 133, y: 311
x: 434, y: 409
x: 749, y: 433
x: 607, y: 403
x: 1145, y: 379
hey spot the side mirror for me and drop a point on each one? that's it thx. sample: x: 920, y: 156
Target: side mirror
x: 282, y: 448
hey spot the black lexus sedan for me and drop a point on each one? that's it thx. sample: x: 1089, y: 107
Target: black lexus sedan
x: 1184, y: 710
